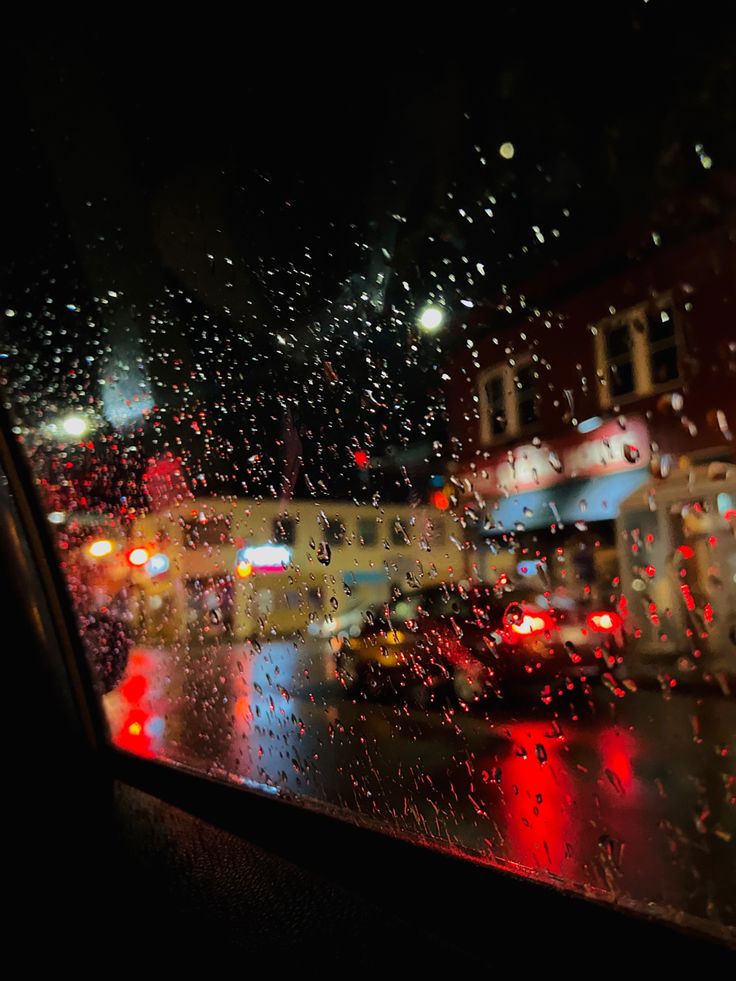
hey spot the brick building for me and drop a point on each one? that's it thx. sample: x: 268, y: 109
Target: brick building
x: 593, y: 411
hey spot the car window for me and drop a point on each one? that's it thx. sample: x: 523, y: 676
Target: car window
x: 380, y: 405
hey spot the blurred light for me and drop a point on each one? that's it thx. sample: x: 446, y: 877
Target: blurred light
x: 604, y: 622
x: 157, y: 564
x: 265, y: 558
x: 102, y: 546
x: 507, y: 150
x: 361, y: 459
x: 528, y: 625
x: 244, y: 569
x: 138, y: 556
x: 74, y: 425
x: 431, y: 318
x: 686, y: 551
x: 530, y: 567
x: 725, y: 503
x: 590, y: 425
x: 57, y: 517
x: 439, y: 500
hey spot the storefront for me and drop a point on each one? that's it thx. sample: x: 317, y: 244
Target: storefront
x: 678, y: 563
x: 546, y: 511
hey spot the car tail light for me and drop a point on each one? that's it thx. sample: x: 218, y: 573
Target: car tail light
x: 604, y: 621
x: 524, y: 623
x: 529, y: 624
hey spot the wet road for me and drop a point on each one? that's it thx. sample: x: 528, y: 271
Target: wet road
x: 631, y: 799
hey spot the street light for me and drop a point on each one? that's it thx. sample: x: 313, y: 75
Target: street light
x: 74, y: 425
x: 431, y: 318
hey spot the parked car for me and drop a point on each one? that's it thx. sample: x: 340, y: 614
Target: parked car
x: 477, y: 639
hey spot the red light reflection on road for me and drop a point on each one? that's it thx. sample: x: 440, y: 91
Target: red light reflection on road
x: 136, y: 724
x: 537, y: 800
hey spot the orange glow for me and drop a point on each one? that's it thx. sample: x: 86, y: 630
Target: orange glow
x: 244, y: 569
x: 440, y: 501
x: 135, y: 728
x: 138, y: 556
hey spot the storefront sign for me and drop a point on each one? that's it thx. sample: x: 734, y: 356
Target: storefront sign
x: 610, y: 449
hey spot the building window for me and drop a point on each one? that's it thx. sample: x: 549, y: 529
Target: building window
x: 496, y: 403
x: 620, y: 359
x: 526, y: 396
x: 367, y: 531
x: 509, y: 400
x: 206, y: 530
x: 284, y: 531
x: 400, y: 533
x: 638, y: 352
x: 335, y: 531
x: 663, y: 354
x: 437, y: 531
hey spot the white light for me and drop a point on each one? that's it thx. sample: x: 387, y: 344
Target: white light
x: 431, y: 318
x: 100, y: 548
x: 507, y: 150
x: 74, y: 425
x: 590, y: 425
x: 266, y: 556
x: 57, y: 517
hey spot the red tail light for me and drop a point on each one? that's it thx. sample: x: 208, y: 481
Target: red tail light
x: 528, y: 625
x: 604, y: 621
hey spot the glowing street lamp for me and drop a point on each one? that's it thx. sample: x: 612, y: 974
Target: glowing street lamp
x: 431, y: 318
x: 74, y: 425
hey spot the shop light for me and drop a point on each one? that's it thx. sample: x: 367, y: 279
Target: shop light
x: 138, y: 557
x: 590, y: 425
x: 157, y: 565
x: 100, y: 548
x: 265, y: 558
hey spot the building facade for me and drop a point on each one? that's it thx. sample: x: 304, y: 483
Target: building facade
x: 593, y: 412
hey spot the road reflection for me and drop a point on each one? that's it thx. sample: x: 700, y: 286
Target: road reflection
x: 631, y: 799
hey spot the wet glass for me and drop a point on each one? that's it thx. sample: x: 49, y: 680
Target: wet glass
x: 384, y: 427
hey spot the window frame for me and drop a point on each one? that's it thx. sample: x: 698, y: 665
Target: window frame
x: 635, y: 318
x: 510, y: 378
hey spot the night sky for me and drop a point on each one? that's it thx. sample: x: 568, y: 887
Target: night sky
x: 236, y: 229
